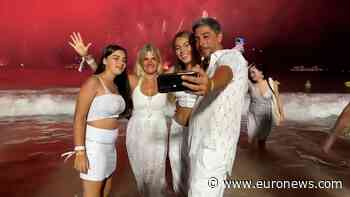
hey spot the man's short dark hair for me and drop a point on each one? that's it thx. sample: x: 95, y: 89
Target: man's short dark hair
x: 207, y: 21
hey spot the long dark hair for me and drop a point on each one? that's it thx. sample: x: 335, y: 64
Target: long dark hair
x: 195, y: 55
x: 265, y: 72
x: 121, y: 80
x: 260, y: 67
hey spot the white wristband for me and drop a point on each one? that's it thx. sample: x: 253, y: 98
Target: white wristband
x: 90, y: 61
x: 79, y: 148
x: 80, y: 69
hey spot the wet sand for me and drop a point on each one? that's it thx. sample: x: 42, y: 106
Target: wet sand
x: 30, y: 162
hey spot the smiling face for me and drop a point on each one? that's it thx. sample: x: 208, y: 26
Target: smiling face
x: 255, y: 74
x: 116, y: 62
x: 207, y: 40
x: 150, y: 63
x: 183, y: 49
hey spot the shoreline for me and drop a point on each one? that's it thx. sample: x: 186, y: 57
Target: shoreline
x: 36, y: 169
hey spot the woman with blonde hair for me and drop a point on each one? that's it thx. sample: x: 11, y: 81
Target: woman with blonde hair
x: 147, y: 132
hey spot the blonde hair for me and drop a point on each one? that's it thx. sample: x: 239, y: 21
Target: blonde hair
x: 141, y: 56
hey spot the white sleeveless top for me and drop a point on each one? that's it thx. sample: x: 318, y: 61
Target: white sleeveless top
x: 148, y: 105
x: 186, y: 99
x: 104, y: 106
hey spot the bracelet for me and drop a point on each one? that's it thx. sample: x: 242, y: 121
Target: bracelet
x: 79, y: 148
x: 69, y: 154
x: 88, y: 56
x: 211, y: 85
x: 81, y: 65
x: 89, y: 59
x: 80, y: 153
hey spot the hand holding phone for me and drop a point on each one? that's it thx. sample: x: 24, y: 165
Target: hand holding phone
x: 172, y: 82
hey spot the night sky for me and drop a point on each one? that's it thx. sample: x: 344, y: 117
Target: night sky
x: 36, y: 32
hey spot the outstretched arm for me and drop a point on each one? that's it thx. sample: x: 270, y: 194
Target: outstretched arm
x: 223, y: 75
x: 77, y: 43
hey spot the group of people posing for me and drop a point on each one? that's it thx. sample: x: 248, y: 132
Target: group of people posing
x: 205, y: 124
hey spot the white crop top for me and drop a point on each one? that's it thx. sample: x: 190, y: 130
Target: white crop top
x: 104, y: 106
x: 185, y: 99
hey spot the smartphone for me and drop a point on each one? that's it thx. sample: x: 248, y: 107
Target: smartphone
x: 172, y: 82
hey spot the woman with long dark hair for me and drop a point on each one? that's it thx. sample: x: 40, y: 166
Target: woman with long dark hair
x: 102, y: 99
x: 262, y: 91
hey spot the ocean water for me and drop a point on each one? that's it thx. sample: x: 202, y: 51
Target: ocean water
x: 314, y: 108
x: 21, y: 109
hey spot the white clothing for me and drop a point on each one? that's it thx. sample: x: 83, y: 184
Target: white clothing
x: 101, y: 153
x: 108, y: 105
x: 178, y: 156
x: 178, y: 145
x: 146, y: 142
x: 214, y: 127
x: 185, y: 99
x: 260, y: 113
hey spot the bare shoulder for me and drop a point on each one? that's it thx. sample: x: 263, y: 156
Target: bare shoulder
x: 91, y: 83
x: 133, y: 77
x: 133, y: 80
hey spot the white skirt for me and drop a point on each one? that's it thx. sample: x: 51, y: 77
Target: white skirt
x: 178, y: 156
x: 101, y: 153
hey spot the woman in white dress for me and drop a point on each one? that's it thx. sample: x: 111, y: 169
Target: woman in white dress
x: 147, y: 132
x: 261, y: 92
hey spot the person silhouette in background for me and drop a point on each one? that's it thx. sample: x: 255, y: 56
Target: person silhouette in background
x: 341, y: 127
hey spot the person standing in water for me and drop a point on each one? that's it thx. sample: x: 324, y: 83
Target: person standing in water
x: 342, y: 125
x: 260, y: 118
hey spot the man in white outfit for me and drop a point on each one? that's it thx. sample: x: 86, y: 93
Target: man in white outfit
x: 214, y: 126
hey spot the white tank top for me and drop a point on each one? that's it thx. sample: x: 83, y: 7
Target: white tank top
x: 148, y: 105
x: 104, y: 106
x: 185, y: 99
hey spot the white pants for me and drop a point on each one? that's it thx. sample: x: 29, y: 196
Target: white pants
x: 178, y: 156
x: 209, y: 168
x: 101, y: 153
